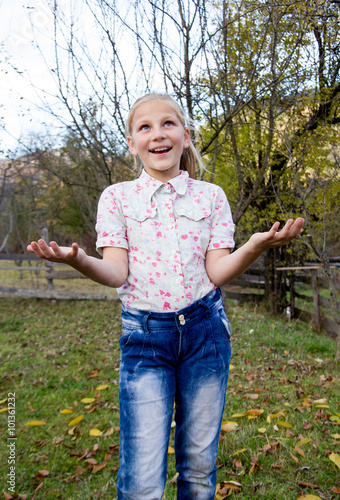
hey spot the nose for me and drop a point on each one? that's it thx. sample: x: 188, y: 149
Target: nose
x: 158, y: 132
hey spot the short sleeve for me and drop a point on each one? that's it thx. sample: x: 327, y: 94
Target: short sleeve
x: 111, y: 225
x: 222, y: 226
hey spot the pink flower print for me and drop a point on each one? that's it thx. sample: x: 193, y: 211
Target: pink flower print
x: 105, y: 234
x: 189, y: 295
x: 152, y: 281
x: 166, y: 306
x: 158, y: 275
x: 159, y: 234
x: 154, y: 264
x: 225, y: 224
x: 184, y: 236
x: 195, y: 238
x: 216, y: 245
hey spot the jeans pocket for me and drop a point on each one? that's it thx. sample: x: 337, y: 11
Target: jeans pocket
x: 225, y: 322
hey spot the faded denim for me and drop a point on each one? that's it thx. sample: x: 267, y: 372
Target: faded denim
x: 180, y: 357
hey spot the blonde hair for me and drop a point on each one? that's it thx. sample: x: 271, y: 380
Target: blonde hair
x: 190, y: 157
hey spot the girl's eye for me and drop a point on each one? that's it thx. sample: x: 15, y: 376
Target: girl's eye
x: 168, y: 123
x: 144, y: 127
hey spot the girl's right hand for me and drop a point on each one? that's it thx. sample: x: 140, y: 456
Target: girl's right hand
x: 55, y: 253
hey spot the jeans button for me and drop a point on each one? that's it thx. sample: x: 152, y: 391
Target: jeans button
x: 181, y: 319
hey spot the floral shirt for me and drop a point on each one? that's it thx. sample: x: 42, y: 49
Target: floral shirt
x: 167, y: 230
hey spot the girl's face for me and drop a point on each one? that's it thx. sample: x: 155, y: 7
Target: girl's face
x: 158, y: 138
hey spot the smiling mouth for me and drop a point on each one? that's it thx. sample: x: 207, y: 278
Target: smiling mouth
x: 160, y: 150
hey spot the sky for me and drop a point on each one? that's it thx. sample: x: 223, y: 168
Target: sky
x: 18, y: 116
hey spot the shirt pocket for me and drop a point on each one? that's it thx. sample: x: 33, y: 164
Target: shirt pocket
x: 140, y: 219
x: 194, y: 212
x: 194, y: 227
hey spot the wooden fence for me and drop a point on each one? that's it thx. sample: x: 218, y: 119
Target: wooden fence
x: 249, y: 287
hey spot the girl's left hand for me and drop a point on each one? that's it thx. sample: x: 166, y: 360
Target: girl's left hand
x: 275, y: 238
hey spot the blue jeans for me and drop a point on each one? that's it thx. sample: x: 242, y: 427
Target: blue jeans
x: 183, y: 358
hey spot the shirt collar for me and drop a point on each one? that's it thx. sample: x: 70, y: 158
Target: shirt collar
x: 150, y: 184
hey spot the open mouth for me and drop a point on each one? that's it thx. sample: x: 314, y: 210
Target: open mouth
x: 161, y: 150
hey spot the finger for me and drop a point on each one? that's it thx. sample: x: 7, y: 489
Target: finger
x: 45, y: 250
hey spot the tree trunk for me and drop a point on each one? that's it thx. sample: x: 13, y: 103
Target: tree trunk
x: 275, y: 282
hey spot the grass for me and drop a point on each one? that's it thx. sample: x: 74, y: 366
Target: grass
x: 283, y: 388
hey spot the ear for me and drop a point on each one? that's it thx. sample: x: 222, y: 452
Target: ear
x: 131, y: 145
x: 187, y: 138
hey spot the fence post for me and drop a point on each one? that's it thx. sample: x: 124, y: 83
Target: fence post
x: 49, y: 265
x: 316, y: 300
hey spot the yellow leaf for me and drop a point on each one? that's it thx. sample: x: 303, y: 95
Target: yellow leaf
x: 95, y: 432
x: 302, y: 442
x: 269, y: 420
x: 3, y: 401
x: 300, y: 451
x: 109, y: 432
x: 284, y: 424
x: 333, y: 418
x: 238, y: 452
x: 321, y: 406
x: 252, y: 417
x: 231, y: 367
x: 335, y: 459
x: 277, y: 415
x: 75, y: 421
x: 102, y: 387
x: 276, y: 428
x: 171, y: 450
x: 98, y: 467
x: 87, y: 400
x: 296, y: 460
x: 335, y: 436
x: 262, y: 430
x: 66, y: 411
x: 34, y: 423
x: 238, y: 415
x: 4, y: 409
x: 229, y: 427
x: 309, y: 497
x: 254, y: 412
x: 320, y: 401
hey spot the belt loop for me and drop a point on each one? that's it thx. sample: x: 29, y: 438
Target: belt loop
x: 145, y: 323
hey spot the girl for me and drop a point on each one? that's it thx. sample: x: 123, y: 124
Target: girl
x: 166, y: 242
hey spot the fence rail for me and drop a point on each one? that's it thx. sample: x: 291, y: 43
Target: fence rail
x: 249, y: 287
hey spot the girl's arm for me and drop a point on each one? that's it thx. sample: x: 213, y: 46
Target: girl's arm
x: 111, y: 271
x: 223, y: 266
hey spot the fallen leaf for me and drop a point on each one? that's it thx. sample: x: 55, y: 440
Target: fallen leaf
x: 98, y: 467
x: 300, y: 451
x: 171, y: 450
x: 227, y: 486
x: 262, y: 430
x: 335, y: 459
x: 229, y: 427
x: 307, y: 485
x: 102, y: 387
x: 95, y: 432
x: 238, y: 452
x: 2, y: 410
x: 87, y: 400
x: 284, y: 424
x: 309, y: 497
x: 66, y: 411
x: 335, y: 489
x: 75, y: 421
x: 303, y: 442
x: 335, y: 436
x: 296, y: 460
x: 34, y: 423
x: 41, y: 474
x: 251, y: 396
